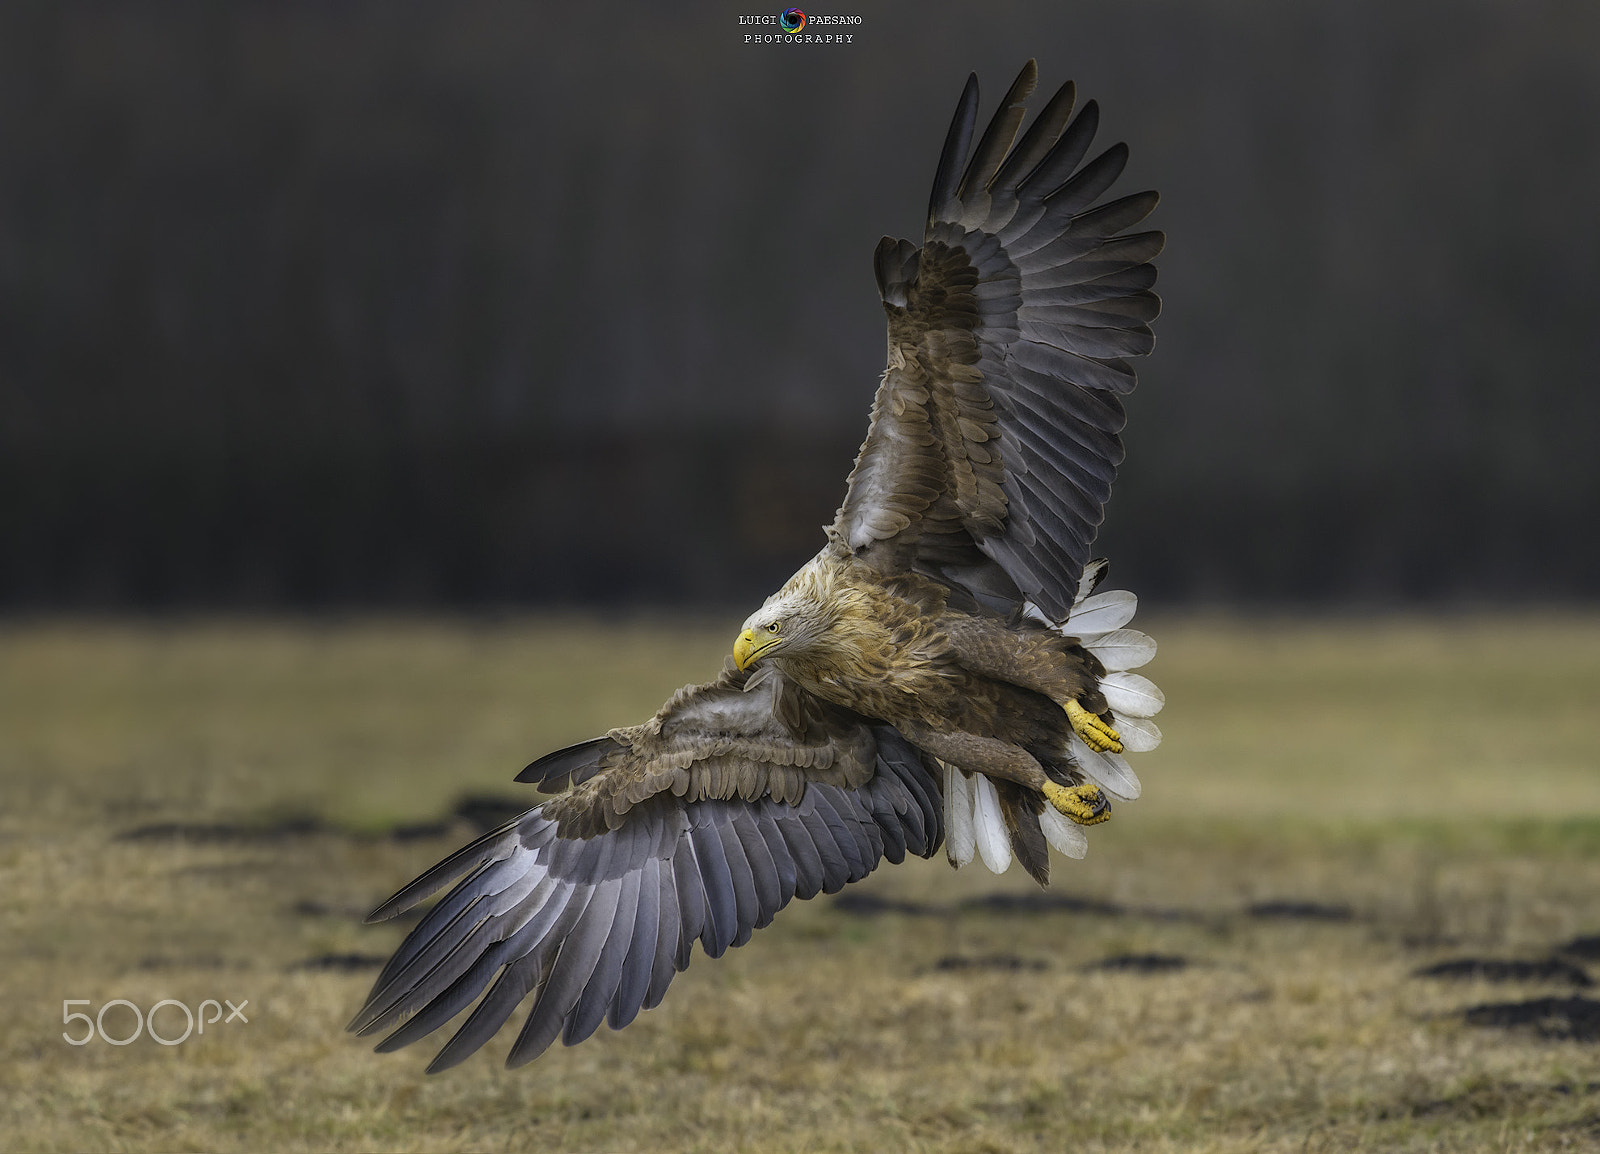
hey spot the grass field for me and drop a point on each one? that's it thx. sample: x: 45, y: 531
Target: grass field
x: 1337, y: 805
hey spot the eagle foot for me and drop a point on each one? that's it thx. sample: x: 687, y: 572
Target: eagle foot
x: 1096, y: 734
x: 1085, y: 804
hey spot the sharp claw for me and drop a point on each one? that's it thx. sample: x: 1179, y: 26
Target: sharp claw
x: 1096, y: 734
x: 1085, y: 804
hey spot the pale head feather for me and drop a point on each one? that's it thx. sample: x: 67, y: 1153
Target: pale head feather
x: 816, y: 613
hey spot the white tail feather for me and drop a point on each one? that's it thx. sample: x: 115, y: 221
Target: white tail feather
x: 1066, y: 836
x: 1109, y: 770
x: 994, y: 843
x: 1122, y: 649
x: 1100, y: 614
x: 1139, y: 734
x: 1132, y: 694
x: 959, y: 838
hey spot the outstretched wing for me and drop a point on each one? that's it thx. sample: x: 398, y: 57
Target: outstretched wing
x: 994, y: 436
x: 702, y: 824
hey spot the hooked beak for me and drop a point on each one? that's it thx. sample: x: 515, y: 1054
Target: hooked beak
x: 746, y: 649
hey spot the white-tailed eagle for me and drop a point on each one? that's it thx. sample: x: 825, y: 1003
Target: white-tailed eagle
x: 941, y: 672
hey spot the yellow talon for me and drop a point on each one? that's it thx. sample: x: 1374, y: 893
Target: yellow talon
x: 1096, y: 734
x: 1084, y: 804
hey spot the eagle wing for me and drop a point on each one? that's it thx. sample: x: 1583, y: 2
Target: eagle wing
x: 994, y: 436
x: 739, y: 796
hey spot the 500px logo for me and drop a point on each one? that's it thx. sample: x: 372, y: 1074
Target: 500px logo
x: 146, y: 1023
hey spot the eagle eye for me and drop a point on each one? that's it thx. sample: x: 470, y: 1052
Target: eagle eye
x: 774, y: 626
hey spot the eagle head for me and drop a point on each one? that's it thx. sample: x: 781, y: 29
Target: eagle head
x: 784, y: 625
x: 799, y: 620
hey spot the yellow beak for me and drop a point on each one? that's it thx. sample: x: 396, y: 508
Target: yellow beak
x: 745, y: 650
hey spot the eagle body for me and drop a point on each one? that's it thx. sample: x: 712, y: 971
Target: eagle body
x: 891, y: 648
x: 943, y: 672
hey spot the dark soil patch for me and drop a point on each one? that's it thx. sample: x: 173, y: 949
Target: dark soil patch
x: 1587, y: 947
x: 483, y: 812
x: 341, y: 963
x: 421, y: 830
x: 989, y: 962
x: 1488, y: 1098
x: 1140, y: 964
x: 1574, y: 1019
x: 488, y: 811
x: 1168, y: 914
x: 1043, y: 904
x: 224, y: 831
x: 197, y: 962
x: 870, y: 905
x: 1498, y: 970
x: 1299, y: 911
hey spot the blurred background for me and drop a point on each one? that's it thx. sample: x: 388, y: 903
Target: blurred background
x: 499, y: 304
x: 354, y: 354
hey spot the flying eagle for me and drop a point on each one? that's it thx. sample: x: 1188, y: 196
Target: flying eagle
x: 941, y: 672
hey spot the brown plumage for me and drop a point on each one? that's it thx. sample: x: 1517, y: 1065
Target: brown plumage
x: 919, y: 677
x: 890, y: 648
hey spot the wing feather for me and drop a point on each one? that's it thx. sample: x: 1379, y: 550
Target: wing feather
x: 1041, y: 137
x: 946, y: 180
x: 633, y: 982
x: 746, y: 909
x: 783, y: 862
x: 844, y: 835
x: 995, y: 143
x: 669, y: 934
x: 810, y: 871
x: 569, y: 973
x: 690, y: 886
x: 722, y: 903
x: 597, y: 996
x: 769, y: 893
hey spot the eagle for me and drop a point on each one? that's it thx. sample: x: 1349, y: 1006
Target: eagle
x: 943, y: 671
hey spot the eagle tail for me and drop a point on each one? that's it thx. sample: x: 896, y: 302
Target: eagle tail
x: 996, y: 820
x: 1099, y: 622
x: 974, y: 822
x: 992, y: 820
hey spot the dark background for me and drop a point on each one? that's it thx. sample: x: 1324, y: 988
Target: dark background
x: 492, y: 303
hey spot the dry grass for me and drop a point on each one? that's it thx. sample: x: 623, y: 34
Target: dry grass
x: 1440, y: 778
